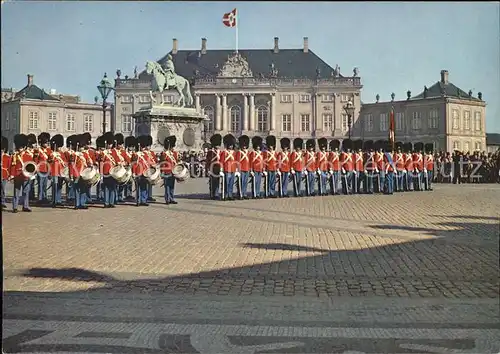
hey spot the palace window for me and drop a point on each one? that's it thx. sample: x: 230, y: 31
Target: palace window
x: 70, y: 122
x: 305, y: 122
x: 467, y: 120
x: 304, y: 98
x: 433, y: 119
x: 466, y: 146
x: 33, y: 120
x: 144, y: 99
x: 209, y: 112
x: 286, y: 98
x: 286, y: 122
x: 416, y: 121
x: 235, y: 118
x: 477, y: 121
x: 7, y: 121
x: 399, y: 118
x: 368, y: 122
x: 126, y: 123
x: 52, y: 121
x: 262, y: 116
x: 345, y: 123
x: 456, y: 145
x: 384, y: 119
x: 478, y: 146
x: 327, y: 97
x: 345, y: 97
x: 327, y: 122
x: 88, y: 123
x: 126, y: 98
x: 455, y: 119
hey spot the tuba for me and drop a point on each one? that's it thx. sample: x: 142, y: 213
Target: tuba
x: 30, y: 169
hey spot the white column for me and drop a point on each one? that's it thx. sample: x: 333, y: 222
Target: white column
x: 218, y: 112
x: 225, y: 125
x: 245, y: 112
x: 251, y: 126
x: 319, y: 118
x: 197, y: 103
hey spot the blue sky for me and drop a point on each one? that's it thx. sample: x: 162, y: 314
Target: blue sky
x: 397, y: 46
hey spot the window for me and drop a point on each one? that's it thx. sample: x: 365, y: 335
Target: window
x: 126, y: 123
x: 286, y: 98
x: 235, y: 118
x: 345, y: 97
x: 168, y: 98
x: 327, y: 122
x: 467, y: 120
x: 70, y: 122
x: 305, y: 98
x: 368, y: 122
x: 88, y: 123
x: 455, y: 119
x: 384, y: 122
x: 144, y: 99
x: 126, y: 109
x: 456, y: 145
x: 305, y: 122
x: 477, y: 121
x: 399, y: 121
x: 345, y: 123
x: 433, y: 119
x: 327, y: 97
x: 262, y: 118
x: 7, y: 121
x: 126, y: 98
x: 209, y: 112
x: 52, y: 121
x: 478, y: 146
x: 33, y: 120
x: 287, y: 122
x: 416, y: 120
x: 466, y: 146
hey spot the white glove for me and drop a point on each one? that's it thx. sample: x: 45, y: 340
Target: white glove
x: 376, y: 169
x: 319, y: 171
x: 425, y: 170
x: 343, y: 170
x: 237, y: 173
x: 278, y: 173
x: 355, y: 172
x: 366, y: 172
x: 331, y: 172
x: 292, y: 171
x: 221, y: 173
x: 252, y: 173
x: 417, y: 170
x: 264, y: 173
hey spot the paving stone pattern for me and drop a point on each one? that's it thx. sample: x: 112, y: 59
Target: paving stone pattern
x: 430, y: 244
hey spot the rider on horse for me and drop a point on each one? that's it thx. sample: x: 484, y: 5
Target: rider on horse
x: 169, y: 71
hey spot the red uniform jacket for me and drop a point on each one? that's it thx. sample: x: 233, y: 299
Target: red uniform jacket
x: 152, y: 157
x: 168, y: 160
x: 81, y: 160
x: 93, y: 154
x: 408, y: 162
x: 310, y: 161
x: 271, y: 160
x: 117, y: 155
x: 334, y: 160
x: 297, y: 161
x: 346, y: 161
x: 387, y: 165
x: 213, y: 160
x: 126, y: 156
x: 141, y: 163
x: 322, y: 161
x: 229, y: 163
x: 6, y: 160
x: 284, y: 161
x: 243, y: 160
x: 358, y: 161
x: 16, y: 169
x: 41, y: 160
x: 58, y: 162
x: 108, y: 161
x: 429, y: 162
x: 256, y: 161
x: 379, y: 160
x: 370, y: 164
x: 400, y: 161
x: 418, y: 161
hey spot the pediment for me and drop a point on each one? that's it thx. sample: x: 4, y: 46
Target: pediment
x: 236, y: 66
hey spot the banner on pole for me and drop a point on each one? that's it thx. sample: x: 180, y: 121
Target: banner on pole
x: 229, y: 19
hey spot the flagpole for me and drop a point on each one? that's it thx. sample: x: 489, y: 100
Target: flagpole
x: 237, y: 22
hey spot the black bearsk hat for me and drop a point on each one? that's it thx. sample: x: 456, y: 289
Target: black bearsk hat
x: 298, y: 143
x: 216, y: 140
x: 322, y: 143
x: 244, y: 141
x: 285, y: 143
x: 5, y: 143
x: 229, y: 140
x: 130, y: 141
x: 57, y: 141
x: 257, y: 142
x: 334, y: 144
x: 119, y: 139
x: 271, y: 141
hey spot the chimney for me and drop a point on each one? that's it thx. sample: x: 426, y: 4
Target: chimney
x: 276, y: 45
x: 30, y: 80
x: 306, y: 45
x: 203, y: 46
x: 174, y: 46
x: 444, y: 77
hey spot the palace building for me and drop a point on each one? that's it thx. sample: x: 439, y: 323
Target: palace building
x: 284, y: 92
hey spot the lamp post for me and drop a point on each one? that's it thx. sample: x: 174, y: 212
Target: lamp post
x: 349, y: 110
x: 105, y: 87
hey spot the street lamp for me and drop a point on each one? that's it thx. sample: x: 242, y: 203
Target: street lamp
x: 105, y: 87
x: 349, y: 110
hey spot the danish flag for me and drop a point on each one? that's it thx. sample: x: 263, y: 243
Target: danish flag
x: 229, y: 19
x: 391, y: 127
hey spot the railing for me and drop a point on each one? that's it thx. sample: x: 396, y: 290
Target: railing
x: 132, y: 83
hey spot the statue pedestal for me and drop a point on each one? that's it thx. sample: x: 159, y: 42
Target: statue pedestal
x: 162, y: 121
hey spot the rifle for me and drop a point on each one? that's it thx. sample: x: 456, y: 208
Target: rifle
x: 334, y: 187
x: 254, y: 192
x: 378, y: 181
x: 344, y: 177
x: 295, y: 185
x: 240, y: 187
x: 280, y: 185
x: 308, y: 192
x: 223, y: 186
x: 266, y: 183
x: 320, y: 184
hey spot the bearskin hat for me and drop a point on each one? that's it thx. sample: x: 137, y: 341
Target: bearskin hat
x: 244, y: 141
x: 130, y: 141
x: 323, y: 143
x: 310, y: 143
x: 142, y: 141
x: 86, y: 139
x: 271, y: 141
x: 119, y: 139
x: 20, y: 141
x: 32, y: 140
x: 298, y: 143
x: 57, y: 141
x: 429, y: 148
x: 169, y: 142
x: 43, y: 138
x: 149, y: 140
x: 216, y: 140
x: 109, y: 138
x: 334, y: 144
x: 229, y: 140
x: 5, y: 144
x: 347, y: 144
x: 418, y: 146
x: 257, y: 142
x: 100, y: 143
x: 285, y: 143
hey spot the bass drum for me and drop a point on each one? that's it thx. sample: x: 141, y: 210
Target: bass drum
x: 90, y: 176
x: 65, y: 174
x: 121, y: 174
x: 152, y: 174
x: 180, y: 172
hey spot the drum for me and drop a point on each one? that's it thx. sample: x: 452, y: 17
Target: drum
x: 180, y: 172
x: 65, y: 173
x: 120, y: 174
x: 90, y: 176
x: 152, y: 174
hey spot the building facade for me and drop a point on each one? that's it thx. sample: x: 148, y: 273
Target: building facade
x: 442, y: 114
x: 32, y: 110
x: 284, y: 92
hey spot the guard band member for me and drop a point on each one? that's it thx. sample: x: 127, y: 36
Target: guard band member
x: 256, y: 166
x: 41, y: 155
x: 335, y: 168
x: 359, y: 166
x: 58, y: 163
x: 19, y: 164
x: 120, y: 159
x: 6, y: 162
x: 228, y: 157
x: 379, y: 160
x: 108, y: 162
x: 153, y: 160
x: 297, y: 164
x: 168, y: 159
x: 400, y: 167
x: 322, y: 165
x: 418, y: 165
x: 284, y: 162
x: 140, y: 164
x: 243, y: 165
x: 347, y: 164
x: 310, y: 167
x: 214, y: 167
x: 428, y: 166
x: 408, y: 186
x: 130, y: 143
x: 370, y: 166
x: 388, y: 169
x: 271, y: 165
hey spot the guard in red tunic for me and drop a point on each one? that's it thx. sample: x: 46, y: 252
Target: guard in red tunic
x: 41, y: 155
x: 359, y: 167
x: 321, y: 161
x: 22, y: 170
x: 379, y: 160
x: 399, y: 162
x: 310, y: 167
x: 117, y: 153
x: 347, y: 163
x: 256, y: 166
x: 243, y: 165
x: 297, y: 163
x: 127, y: 152
x: 6, y: 162
x: 389, y: 168
x: 168, y: 159
x: 140, y: 164
x: 58, y: 165
x: 214, y: 166
x: 271, y: 166
x: 418, y: 165
x: 428, y: 166
x: 229, y: 165
x: 408, y: 180
x: 284, y: 167
x: 153, y: 159
x: 30, y: 149
x: 334, y: 166
x: 109, y: 160
x: 370, y: 166
x: 81, y: 160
